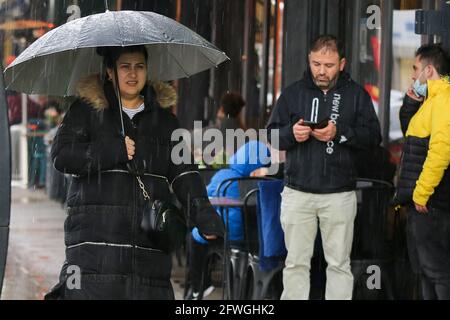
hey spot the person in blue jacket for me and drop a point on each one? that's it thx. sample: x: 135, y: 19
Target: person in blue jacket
x: 250, y: 157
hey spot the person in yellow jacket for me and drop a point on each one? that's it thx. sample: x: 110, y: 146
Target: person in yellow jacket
x: 424, y: 181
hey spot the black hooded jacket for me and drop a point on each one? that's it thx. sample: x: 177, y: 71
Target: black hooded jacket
x: 315, y: 166
x: 102, y: 230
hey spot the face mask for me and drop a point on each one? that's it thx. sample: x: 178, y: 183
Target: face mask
x: 420, y: 89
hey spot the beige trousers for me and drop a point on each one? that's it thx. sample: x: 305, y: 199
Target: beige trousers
x: 300, y: 213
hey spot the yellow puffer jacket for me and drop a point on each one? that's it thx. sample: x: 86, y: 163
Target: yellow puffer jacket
x: 432, y: 121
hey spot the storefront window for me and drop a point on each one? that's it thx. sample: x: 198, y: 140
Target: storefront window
x: 369, y: 45
x: 404, y: 44
x: 369, y: 65
x: 268, y: 48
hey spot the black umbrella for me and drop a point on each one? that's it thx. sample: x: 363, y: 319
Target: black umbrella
x: 55, y: 62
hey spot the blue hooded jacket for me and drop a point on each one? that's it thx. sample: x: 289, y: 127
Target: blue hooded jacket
x: 251, y: 156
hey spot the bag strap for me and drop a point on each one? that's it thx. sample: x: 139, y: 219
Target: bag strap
x: 142, y: 186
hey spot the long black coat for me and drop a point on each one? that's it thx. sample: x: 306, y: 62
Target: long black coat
x: 102, y: 231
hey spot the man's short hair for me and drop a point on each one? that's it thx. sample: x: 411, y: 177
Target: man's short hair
x: 329, y: 42
x: 435, y: 55
x: 232, y: 104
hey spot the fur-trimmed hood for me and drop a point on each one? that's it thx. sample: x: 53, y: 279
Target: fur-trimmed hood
x: 90, y: 89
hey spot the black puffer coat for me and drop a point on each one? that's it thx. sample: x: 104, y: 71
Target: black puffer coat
x: 102, y: 231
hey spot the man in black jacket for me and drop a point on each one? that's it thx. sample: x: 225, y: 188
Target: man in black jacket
x: 320, y: 169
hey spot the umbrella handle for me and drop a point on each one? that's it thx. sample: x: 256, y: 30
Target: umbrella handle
x: 116, y: 87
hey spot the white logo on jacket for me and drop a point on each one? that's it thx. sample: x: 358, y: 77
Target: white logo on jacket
x: 335, y: 109
x: 314, y: 109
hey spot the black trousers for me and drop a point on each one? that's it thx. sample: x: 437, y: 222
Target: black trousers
x: 428, y: 237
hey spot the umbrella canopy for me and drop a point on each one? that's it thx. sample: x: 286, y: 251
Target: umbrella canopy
x: 54, y: 63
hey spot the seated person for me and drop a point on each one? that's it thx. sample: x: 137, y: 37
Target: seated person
x: 247, y: 159
x: 227, y: 118
x: 277, y: 157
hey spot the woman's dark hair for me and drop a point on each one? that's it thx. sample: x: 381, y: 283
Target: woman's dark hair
x: 111, y: 54
x: 232, y: 104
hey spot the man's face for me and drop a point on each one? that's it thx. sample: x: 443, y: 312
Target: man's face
x: 325, y: 67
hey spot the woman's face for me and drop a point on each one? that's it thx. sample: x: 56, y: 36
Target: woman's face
x: 132, y: 74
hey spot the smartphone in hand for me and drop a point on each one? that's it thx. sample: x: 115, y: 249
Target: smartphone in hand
x: 316, y: 125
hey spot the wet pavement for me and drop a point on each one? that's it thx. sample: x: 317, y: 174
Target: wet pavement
x: 36, y: 248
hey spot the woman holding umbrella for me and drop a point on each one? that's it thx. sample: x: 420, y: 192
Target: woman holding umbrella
x: 115, y: 132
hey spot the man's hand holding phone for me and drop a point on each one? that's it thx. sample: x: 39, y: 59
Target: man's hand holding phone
x: 326, y: 134
x: 316, y: 125
x: 301, y: 132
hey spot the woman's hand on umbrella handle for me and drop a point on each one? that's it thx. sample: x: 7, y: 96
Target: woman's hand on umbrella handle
x: 129, y: 143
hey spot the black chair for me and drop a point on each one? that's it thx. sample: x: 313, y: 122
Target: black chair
x: 259, y: 280
x: 207, y: 174
x: 372, y: 242
x: 234, y: 254
x: 241, y: 255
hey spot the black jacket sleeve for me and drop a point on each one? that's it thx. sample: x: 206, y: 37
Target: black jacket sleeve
x: 280, y: 120
x: 365, y: 133
x: 74, y: 152
x: 407, y: 111
x: 190, y: 190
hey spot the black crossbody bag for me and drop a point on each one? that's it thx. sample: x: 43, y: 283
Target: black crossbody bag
x: 163, y: 222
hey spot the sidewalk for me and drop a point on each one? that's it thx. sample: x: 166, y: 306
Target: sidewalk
x: 36, y: 245
x: 36, y: 248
